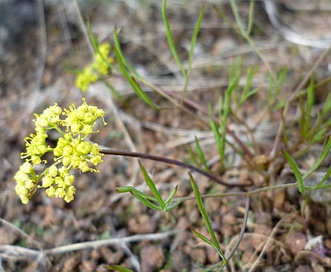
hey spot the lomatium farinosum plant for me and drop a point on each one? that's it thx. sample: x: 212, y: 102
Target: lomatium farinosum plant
x: 99, y: 67
x: 72, y: 151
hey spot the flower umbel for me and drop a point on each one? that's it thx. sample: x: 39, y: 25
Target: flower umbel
x: 72, y: 151
x: 101, y: 66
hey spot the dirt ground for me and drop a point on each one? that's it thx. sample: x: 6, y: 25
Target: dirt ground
x: 101, y: 227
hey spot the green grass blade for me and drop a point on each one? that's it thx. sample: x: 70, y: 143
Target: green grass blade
x: 296, y: 171
x: 170, y: 38
x: 205, y: 217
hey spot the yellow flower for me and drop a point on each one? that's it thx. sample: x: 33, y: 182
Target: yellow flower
x: 72, y: 151
x: 101, y: 66
x: 35, y: 147
x: 26, y: 182
x: 49, y: 118
x: 81, y: 120
x: 85, y: 78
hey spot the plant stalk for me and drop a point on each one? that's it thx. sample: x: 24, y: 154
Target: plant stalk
x: 115, y: 152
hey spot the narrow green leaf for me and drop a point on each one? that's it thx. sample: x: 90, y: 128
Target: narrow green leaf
x: 237, y: 18
x: 123, y: 190
x: 200, y: 154
x: 147, y: 202
x: 134, y: 191
x: 93, y: 40
x: 218, y: 140
x: 193, y: 156
x: 326, y: 176
x: 223, y: 117
x: 151, y: 185
x: 205, y: 217
x: 95, y: 45
x: 203, y: 238
x: 250, y: 17
x: 134, y: 84
x: 172, y: 194
x: 140, y: 92
x: 296, y: 171
x: 193, y: 42
x: 121, y: 56
x: 317, y: 164
x: 170, y: 38
x: 310, y: 97
x: 251, y: 72
x: 217, y: 135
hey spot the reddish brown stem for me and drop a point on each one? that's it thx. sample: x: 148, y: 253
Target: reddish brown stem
x: 115, y: 152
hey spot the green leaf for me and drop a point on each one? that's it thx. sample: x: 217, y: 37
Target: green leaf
x: 240, y: 25
x: 217, y: 136
x: 151, y: 185
x: 203, y: 238
x: 140, y: 92
x: 250, y: 17
x: 246, y: 91
x: 193, y: 156
x: 170, y: 38
x: 326, y: 176
x: 121, y: 55
x: 296, y: 171
x: 134, y: 84
x: 320, y: 160
x: 193, y: 42
x: 141, y: 197
x: 200, y: 154
x: 205, y: 217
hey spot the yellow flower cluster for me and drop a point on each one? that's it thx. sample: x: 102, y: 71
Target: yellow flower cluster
x: 72, y: 151
x: 26, y: 179
x: 100, y: 66
x: 59, y: 182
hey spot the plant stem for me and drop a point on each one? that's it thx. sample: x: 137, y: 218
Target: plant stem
x: 115, y: 152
